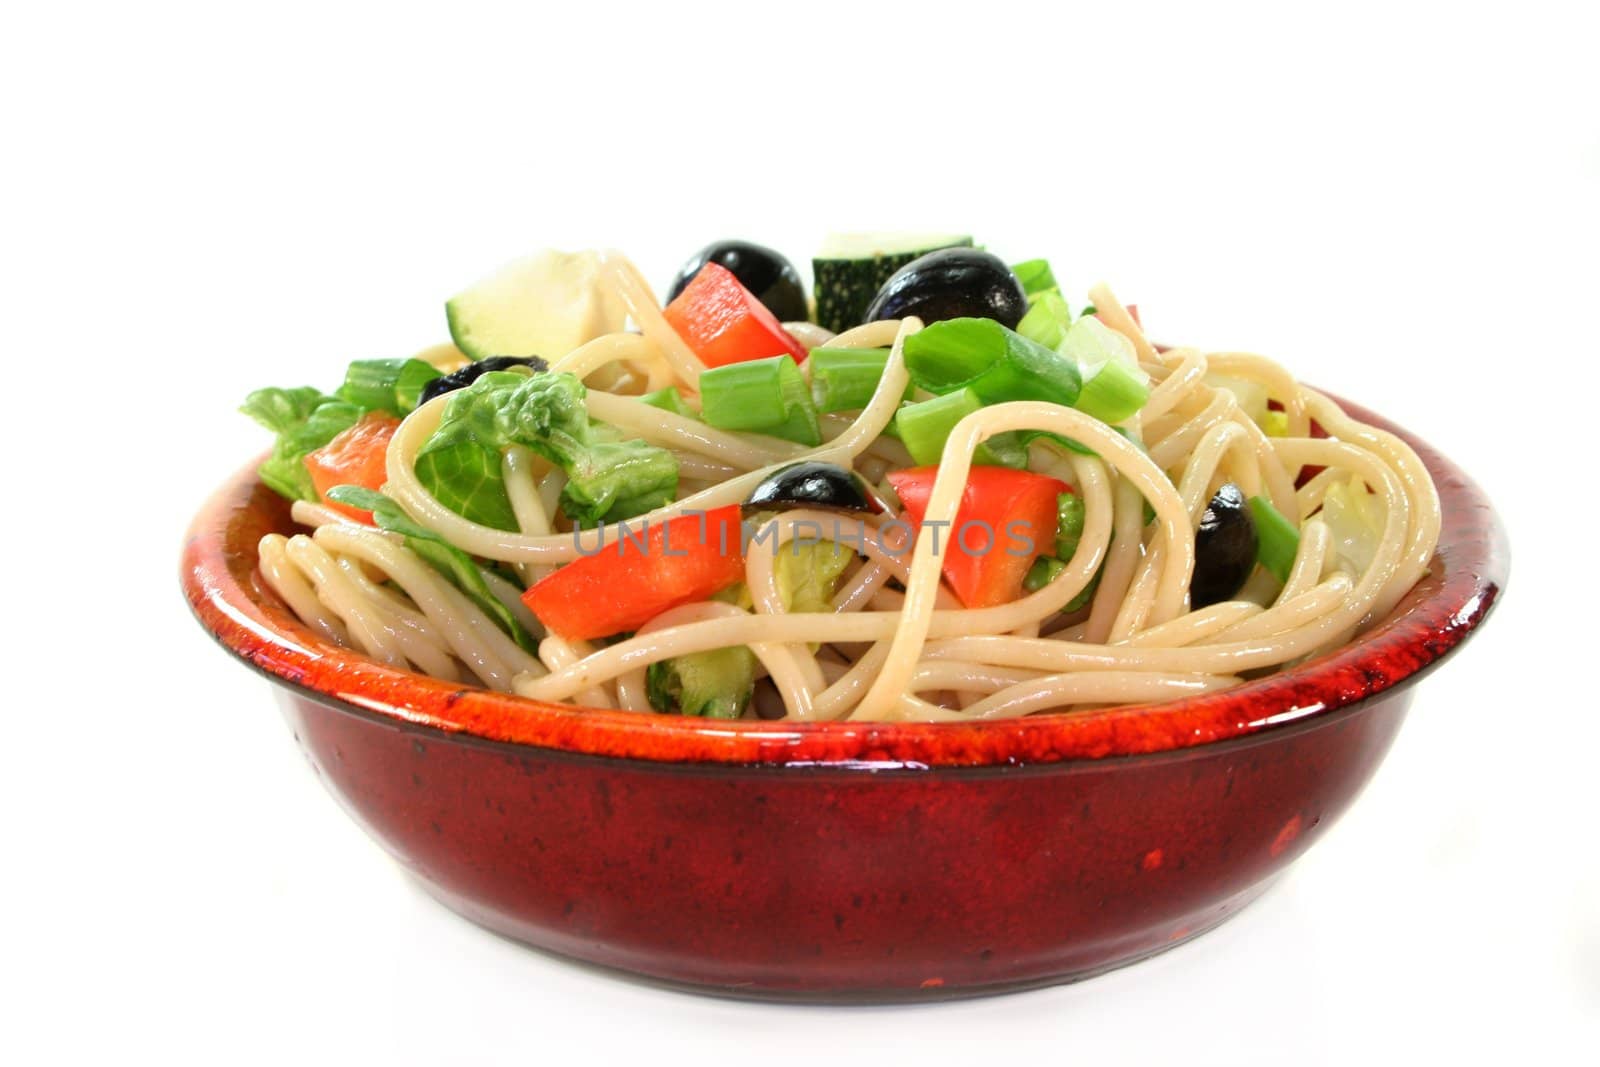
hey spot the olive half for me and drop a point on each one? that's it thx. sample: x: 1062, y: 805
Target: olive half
x: 952, y: 283
x: 812, y: 484
x: 465, y: 376
x: 770, y: 278
x: 1224, y: 548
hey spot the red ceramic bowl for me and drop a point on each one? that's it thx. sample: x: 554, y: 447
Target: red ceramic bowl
x: 844, y: 861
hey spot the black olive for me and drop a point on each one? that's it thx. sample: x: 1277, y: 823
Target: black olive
x: 465, y: 376
x: 1224, y: 548
x: 952, y: 283
x: 810, y: 484
x: 770, y: 278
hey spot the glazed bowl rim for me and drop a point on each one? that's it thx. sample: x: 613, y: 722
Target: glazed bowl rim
x: 225, y: 593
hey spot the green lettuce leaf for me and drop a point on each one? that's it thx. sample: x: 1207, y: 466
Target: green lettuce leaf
x: 281, y: 410
x: 607, y: 478
x: 615, y: 480
x: 466, y: 477
x: 284, y: 471
x: 807, y: 572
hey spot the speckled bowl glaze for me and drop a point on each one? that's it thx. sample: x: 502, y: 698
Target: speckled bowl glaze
x: 845, y: 861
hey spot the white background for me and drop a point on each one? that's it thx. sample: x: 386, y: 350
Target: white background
x: 1398, y: 202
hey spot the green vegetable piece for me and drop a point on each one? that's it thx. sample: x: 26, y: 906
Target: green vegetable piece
x: 669, y: 399
x: 439, y: 554
x: 1114, y: 387
x: 392, y: 385
x: 468, y: 479
x: 616, y: 480
x: 304, y: 421
x: 1035, y: 275
x: 281, y: 410
x: 995, y: 363
x: 844, y: 379
x: 925, y: 426
x: 1275, y: 423
x: 1070, y: 513
x: 808, y: 571
x: 716, y: 684
x: 1045, y: 570
x: 1086, y: 594
x: 607, y: 478
x: 1113, y: 393
x: 1047, y: 319
x: 1277, y: 539
x: 768, y: 396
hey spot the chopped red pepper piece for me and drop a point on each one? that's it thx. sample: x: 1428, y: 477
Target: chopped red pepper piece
x: 624, y: 586
x: 724, y: 323
x: 355, y: 457
x: 1006, y: 520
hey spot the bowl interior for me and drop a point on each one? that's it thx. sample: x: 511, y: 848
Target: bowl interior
x: 226, y: 593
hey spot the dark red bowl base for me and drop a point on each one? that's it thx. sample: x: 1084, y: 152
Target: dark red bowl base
x: 834, y: 884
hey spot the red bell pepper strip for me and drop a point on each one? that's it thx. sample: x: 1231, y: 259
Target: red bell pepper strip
x: 624, y: 586
x: 355, y: 457
x: 724, y: 323
x: 1007, y: 518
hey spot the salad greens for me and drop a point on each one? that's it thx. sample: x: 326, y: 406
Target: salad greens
x: 607, y: 479
x: 304, y: 420
x: 808, y: 571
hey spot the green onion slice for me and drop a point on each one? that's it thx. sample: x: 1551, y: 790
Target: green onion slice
x: 392, y: 385
x: 1277, y: 540
x: 1047, y: 319
x: 924, y: 427
x: 844, y: 379
x: 768, y: 396
x: 1035, y: 275
x: 995, y: 363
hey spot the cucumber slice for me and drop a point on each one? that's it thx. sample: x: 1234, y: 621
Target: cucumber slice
x: 545, y: 305
x: 852, y: 267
